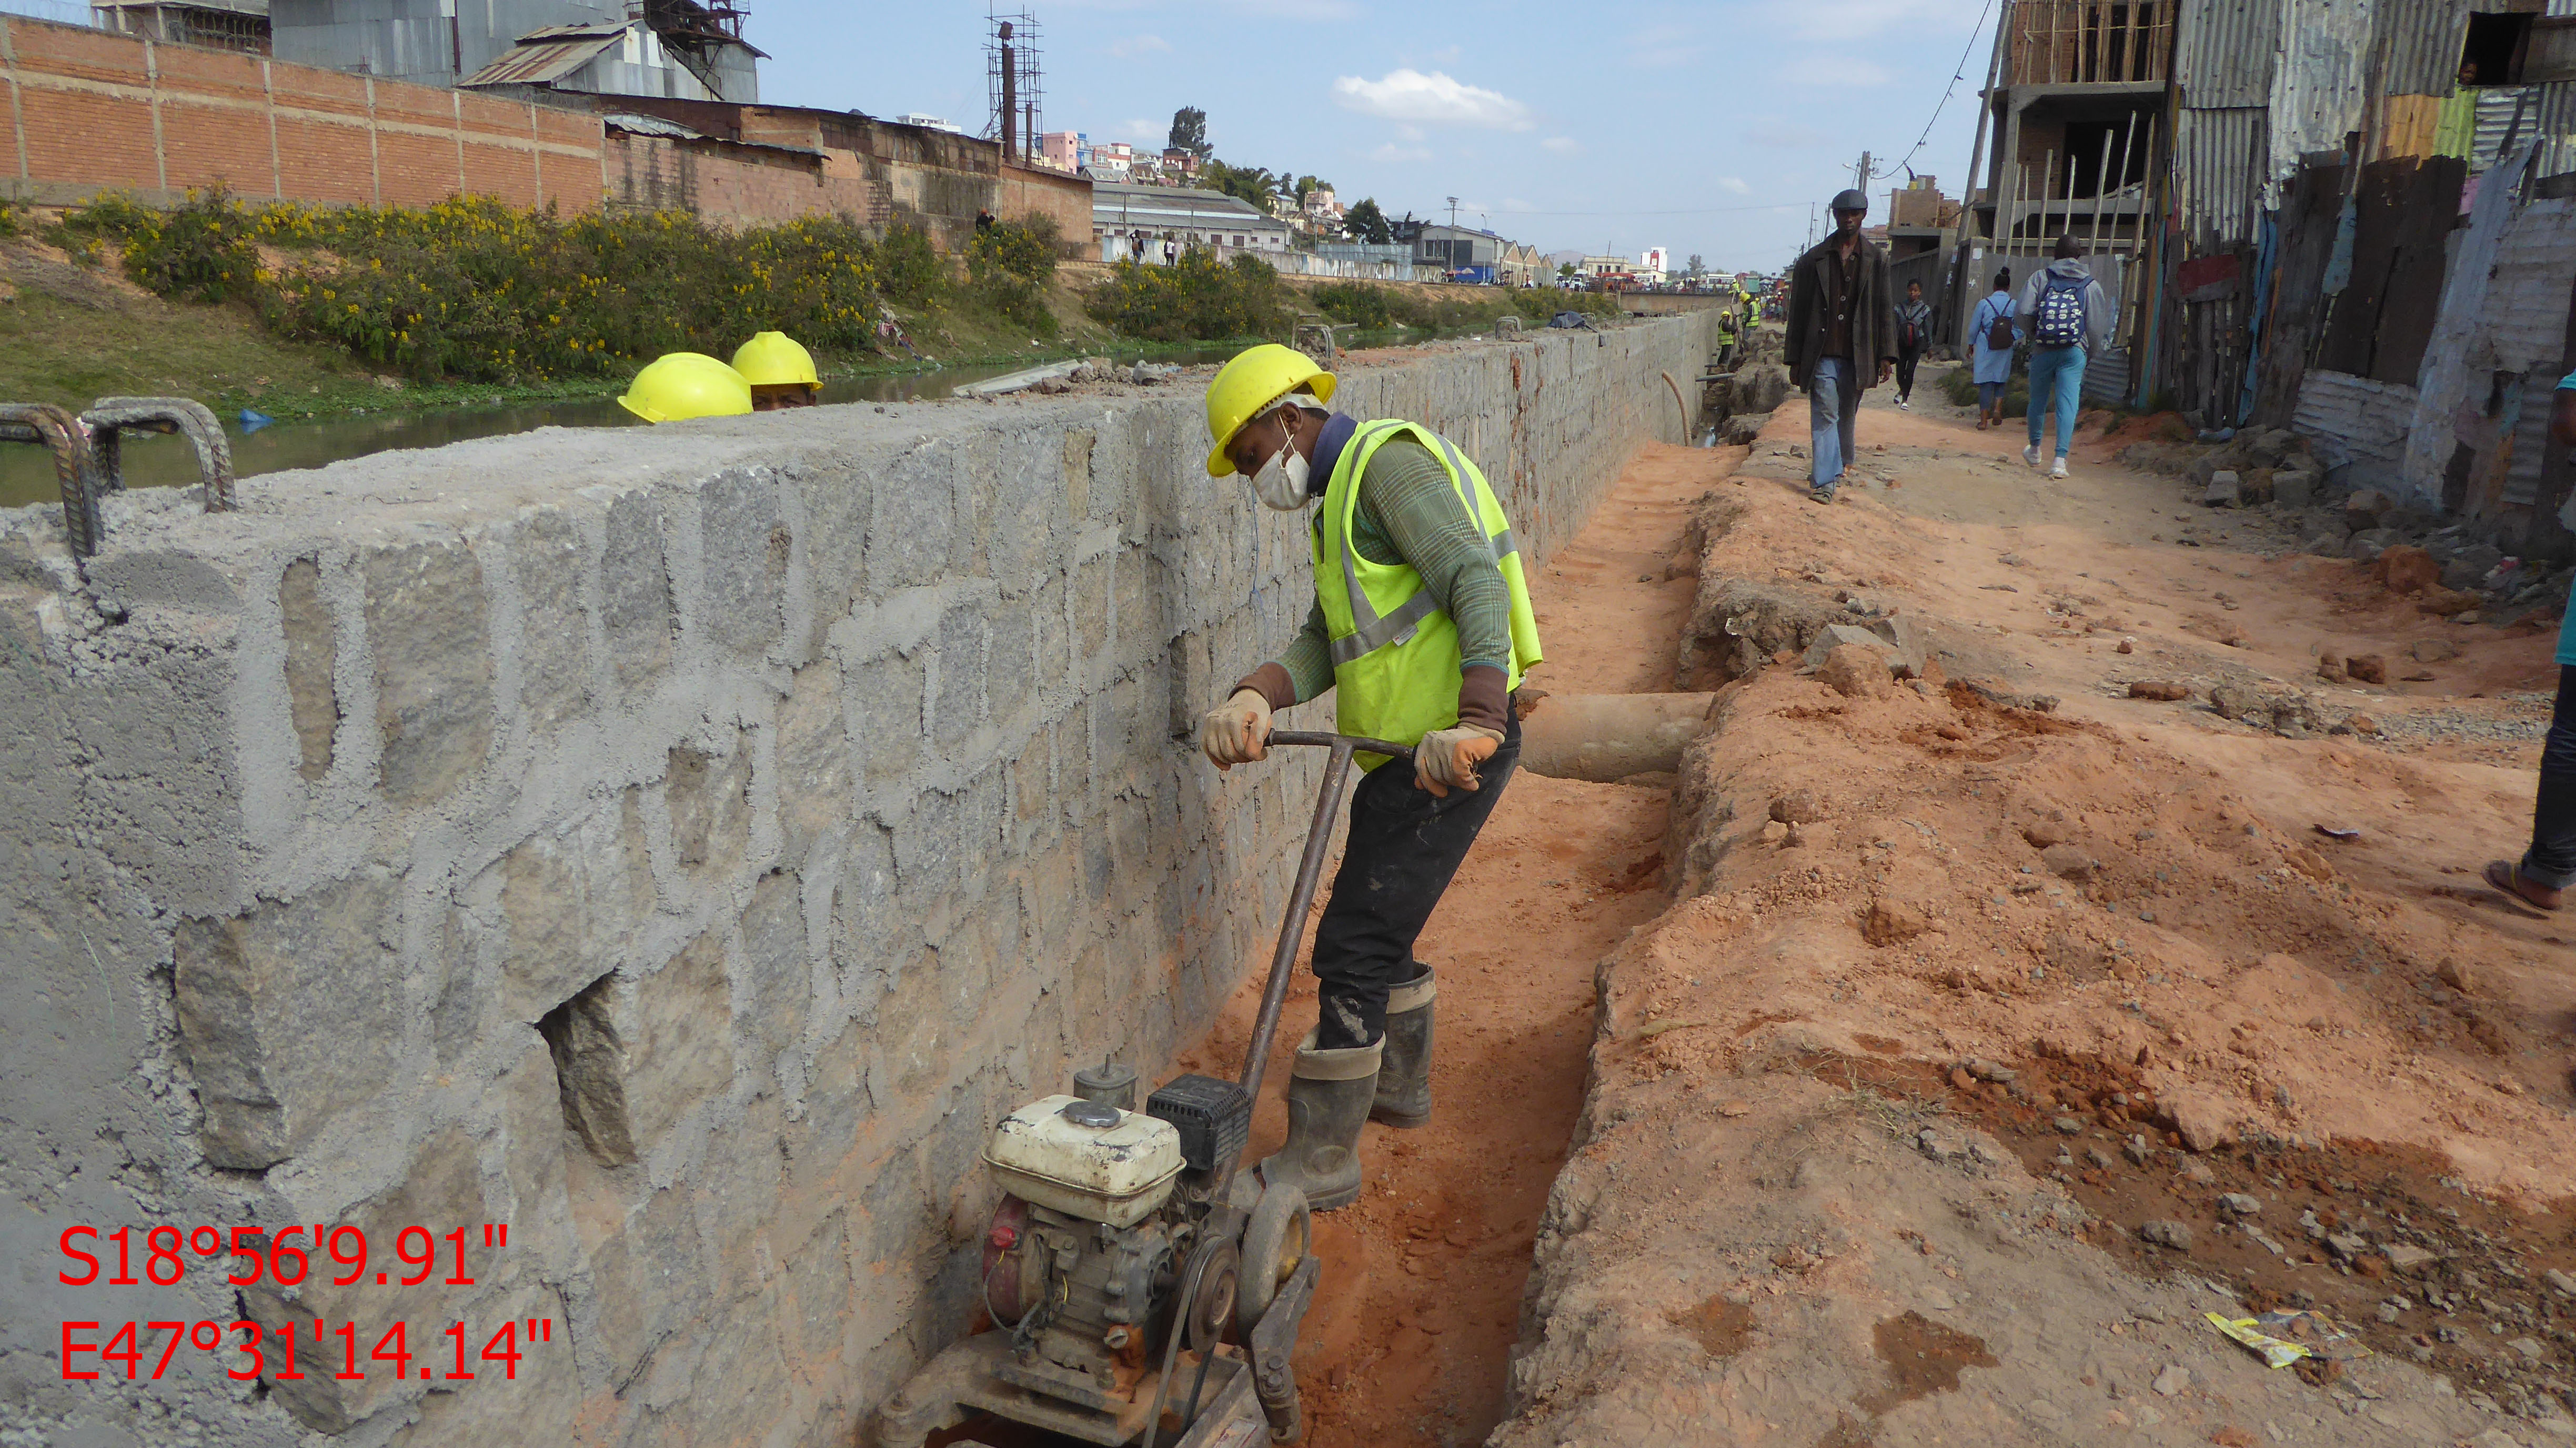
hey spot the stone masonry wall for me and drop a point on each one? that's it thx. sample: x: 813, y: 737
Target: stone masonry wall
x: 677, y: 846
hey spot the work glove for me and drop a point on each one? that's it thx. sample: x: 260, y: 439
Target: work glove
x: 1237, y: 731
x: 1446, y: 759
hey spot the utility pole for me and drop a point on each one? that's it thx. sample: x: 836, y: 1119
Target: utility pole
x: 1860, y: 176
x: 1453, y: 211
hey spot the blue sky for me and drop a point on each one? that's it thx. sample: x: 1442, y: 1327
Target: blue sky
x: 1706, y: 128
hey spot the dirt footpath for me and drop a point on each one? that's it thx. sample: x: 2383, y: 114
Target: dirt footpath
x: 2005, y: 1024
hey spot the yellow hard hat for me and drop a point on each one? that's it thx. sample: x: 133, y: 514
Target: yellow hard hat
x: 1247, y: 386
x: 677, y: 386
x: 772, y: 359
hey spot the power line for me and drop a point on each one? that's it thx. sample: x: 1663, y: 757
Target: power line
x: 1700, y: 211
x: 1960, y: 75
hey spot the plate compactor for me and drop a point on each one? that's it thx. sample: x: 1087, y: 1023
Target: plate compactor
x: 1143, y: 1288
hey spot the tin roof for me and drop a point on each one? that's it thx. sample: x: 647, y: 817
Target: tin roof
x: 544, y: 56
x: 2224, y: 52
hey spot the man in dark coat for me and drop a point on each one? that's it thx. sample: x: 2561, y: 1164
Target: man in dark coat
x: 1842, y: 335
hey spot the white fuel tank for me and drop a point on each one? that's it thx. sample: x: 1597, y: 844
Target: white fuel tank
x: 1086, y: 1160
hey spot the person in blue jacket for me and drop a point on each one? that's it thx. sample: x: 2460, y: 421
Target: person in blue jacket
x: 2541, y: 877
x: 1992, y: 363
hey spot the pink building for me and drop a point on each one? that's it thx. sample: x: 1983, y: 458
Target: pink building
x: 1060, y: 150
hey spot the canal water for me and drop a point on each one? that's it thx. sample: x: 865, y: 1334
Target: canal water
x: 27, y: 471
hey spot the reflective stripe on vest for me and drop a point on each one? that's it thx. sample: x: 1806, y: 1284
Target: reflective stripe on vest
x: 1371, y: 631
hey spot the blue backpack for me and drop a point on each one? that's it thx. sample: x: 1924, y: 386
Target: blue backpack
x: 2061, y: 311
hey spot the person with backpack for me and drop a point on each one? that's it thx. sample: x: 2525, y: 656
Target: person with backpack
x: 1992, y: 337
x: 1913, y: 334
x: 2065, y: 313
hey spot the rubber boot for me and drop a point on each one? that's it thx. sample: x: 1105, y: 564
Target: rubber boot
x: 1404, y: 1076
x: 1329, y: 1093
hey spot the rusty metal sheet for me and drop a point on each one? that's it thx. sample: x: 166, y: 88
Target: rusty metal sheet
x: 2222, y: 173
x: 545, y: 61
x: 2424, y: 39
x: 2225, y: 52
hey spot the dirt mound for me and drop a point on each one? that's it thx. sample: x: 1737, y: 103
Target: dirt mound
x: 2125, y: 910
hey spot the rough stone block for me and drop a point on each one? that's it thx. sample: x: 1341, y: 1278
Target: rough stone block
x: 590, y: 1072
x: 868, y: 929
x: 913, y: 538
x: 442, y: 1189
x: 312, y: 653
x: 888, y: 697
x: 1091, y: 579
x: 776, y: 968
x: 426, y: 626
x: 837, y: 506
x: 283, y: 1013
x: 546, y: 563
x: 1010, y: 665
x: 1078, y: 445
x: 574, y: 900
x: 635, y: 590
x: 2223, y: 490
x: 710, y: 801
x: 677, y: 1051
x: 2369, y: 543
x: 2294, y: 487
x: 815, y: 798
x: 2365, y: 507
x: 746, y: 546
x: 957, y: 706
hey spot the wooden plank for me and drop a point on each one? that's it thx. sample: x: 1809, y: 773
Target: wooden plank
x: 2306, y: 244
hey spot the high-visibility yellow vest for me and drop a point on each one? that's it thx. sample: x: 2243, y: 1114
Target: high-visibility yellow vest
x: 1395, y: 653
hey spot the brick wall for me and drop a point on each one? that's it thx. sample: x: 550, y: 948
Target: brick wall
x: 679, y: 845
x: 727, y: 183
x: 91, y: 111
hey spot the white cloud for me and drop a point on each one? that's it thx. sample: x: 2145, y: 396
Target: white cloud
x: 1434, y: 99
x: 1834, y: 71
x: 1562, y: 145
x: 1135, y: 45
x: 1735, y: 184
x: 1393, y: 152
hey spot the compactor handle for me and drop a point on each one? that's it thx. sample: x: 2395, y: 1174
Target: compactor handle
x: 1358, y: 744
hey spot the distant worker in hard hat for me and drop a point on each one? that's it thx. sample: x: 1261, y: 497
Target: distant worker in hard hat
x: 1842, y: 336
x: 780, y: 371
x: 1726, y: 330
x: 677, y: 386
x: 1422, y: 627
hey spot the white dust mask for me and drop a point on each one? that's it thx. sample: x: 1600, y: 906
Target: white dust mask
x: 1281, y: 483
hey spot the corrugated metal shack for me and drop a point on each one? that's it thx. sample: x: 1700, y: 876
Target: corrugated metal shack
x: 2368, y: 223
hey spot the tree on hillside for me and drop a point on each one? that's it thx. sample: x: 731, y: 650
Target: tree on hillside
x: 1189, y: 133
x: 1364, y: 222
x: 1698, y: 266
x: 1565, y: 268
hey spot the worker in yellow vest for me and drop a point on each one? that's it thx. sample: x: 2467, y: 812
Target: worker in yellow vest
x: 1422, y: 627
x: 1726, y: 325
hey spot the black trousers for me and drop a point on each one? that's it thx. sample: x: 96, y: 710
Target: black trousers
x: 1905, y: 371
x: 2552, y: 858
x: 1404, y: 846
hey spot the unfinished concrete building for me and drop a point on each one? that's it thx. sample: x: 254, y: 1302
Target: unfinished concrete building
x: 2076, y: 107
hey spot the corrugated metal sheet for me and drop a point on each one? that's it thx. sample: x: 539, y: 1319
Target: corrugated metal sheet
x: 2106, y: 376
x: 2221, y: 160
x: 2353, y: 420
x: 650, y: 126
x: 2225, y: 50
x: 2525, y: 316
x: 2424, y: 39
x: 2320, y: 81
x: 2530, y: 439
x: 2555, y: 124
x: 547, y: 55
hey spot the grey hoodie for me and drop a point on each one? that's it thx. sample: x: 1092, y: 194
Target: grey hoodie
x: 2099, y: 321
